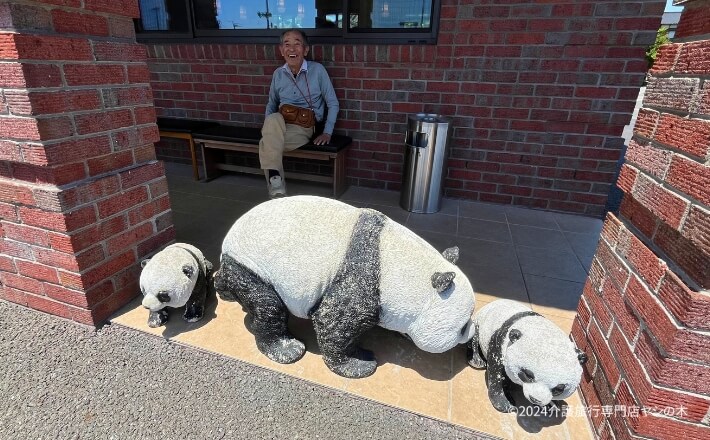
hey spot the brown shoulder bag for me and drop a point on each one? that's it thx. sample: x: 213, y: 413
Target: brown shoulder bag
x: 292, y: 114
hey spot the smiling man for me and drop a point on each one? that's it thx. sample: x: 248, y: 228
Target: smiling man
x: 300, y: 91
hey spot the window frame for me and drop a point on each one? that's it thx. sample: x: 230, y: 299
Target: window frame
x: 315, y: 35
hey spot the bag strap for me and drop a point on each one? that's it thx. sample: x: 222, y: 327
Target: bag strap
x: 299, y: 89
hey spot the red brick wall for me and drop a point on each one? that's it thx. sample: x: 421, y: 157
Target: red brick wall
x: 644, y: 317
x: 82, y: 198
x: 539, y: 91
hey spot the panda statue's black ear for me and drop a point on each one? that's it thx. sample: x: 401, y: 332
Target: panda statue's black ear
x: 188, y: 270
x: 514, y: 335
x: 581, y: 356
x: 144, y: 262
x: 451, y: 254
x: 442, y: 280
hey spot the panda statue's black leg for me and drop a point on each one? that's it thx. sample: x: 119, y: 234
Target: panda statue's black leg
x: 496, y: 382
x: 156, y: 319
x: 495, y: 374
x: 269, y: 314
x: 473, y: 352
x: 195, y: 306
x: 351, y: 304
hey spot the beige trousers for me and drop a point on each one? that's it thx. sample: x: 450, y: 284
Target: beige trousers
x: 277, y: 137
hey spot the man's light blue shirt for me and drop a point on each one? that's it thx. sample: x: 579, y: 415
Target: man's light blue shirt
x: 314, y: 83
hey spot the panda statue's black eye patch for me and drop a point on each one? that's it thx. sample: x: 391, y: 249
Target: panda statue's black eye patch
x: 163, y: 297
x: 559, y: 389
x: 526, y: 376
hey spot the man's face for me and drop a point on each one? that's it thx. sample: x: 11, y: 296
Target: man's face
x: 293, y: 49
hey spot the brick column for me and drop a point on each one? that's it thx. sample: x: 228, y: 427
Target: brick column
x: 82, y: 197
x: 644, y: 317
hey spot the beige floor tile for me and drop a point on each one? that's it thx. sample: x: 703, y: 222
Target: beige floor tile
x: 442, y: 386
x: 469, y: 401
x: 552, y: 311
x: 564, y: 323
x: 406, y: 377
x: 224, y: 334
x: 577, y: 421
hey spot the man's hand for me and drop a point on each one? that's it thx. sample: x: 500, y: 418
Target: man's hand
x: 322, y: 139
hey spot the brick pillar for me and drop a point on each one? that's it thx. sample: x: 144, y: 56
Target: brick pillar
x: 82, y: 197
x: 644, y: 317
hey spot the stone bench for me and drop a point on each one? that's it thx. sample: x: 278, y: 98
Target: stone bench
x: 215, y: 141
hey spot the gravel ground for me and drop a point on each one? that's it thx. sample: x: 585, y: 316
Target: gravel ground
x: 62, y: 380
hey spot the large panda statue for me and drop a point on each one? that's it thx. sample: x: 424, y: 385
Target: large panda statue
x: 519, y: 345
x: 347, y: 269
x: 176, y: 276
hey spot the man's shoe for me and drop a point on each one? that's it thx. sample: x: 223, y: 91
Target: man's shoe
x: 276, y: 187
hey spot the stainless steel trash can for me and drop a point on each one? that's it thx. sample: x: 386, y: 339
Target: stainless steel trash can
x: 426, y: 151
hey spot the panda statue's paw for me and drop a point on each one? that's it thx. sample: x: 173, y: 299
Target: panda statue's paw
x: 156, y: 319
x: 194, y: 312
x: 284, y: 350
x: 474, y: 357
x: 503, y: 405
x: 362, y: 364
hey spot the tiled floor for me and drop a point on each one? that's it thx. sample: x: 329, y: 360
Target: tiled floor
x: 538, y: 258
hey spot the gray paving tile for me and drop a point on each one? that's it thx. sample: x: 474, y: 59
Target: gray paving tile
x: 295, y: 187
x: 484, y: 230
x: 553, y: 295
x: 475, y: 252
x: 178, y: 169
x: 183, y: 201
x: 584, y: 246
x: 242, y: 179
x: 440, y: 241
x: 432, y: 222
x: 578, y: 223
x: 539, y: 237
x: 482, y: 211
x: 551, y: 263
x: 369, y: 195
x: 190, y: 229
x: 449, y: 206
x: 495, y: 282
x: 530, y: 217
x: 394, y: 212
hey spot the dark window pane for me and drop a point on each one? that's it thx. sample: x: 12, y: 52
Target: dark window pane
x: 267, y: 14
x: 390, y: 14
x: 163, y: 15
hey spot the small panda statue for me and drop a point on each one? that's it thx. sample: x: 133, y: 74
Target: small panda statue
x: 522, y: 346
x: 348, y: 270
x: 176, y: 276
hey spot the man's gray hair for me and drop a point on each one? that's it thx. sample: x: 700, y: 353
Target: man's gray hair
x: 300, y: 31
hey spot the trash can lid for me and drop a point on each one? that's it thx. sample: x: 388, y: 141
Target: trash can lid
x: 430, y: 117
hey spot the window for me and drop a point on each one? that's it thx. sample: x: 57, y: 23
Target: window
x: 325, y: 21
x: 163, y: 17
